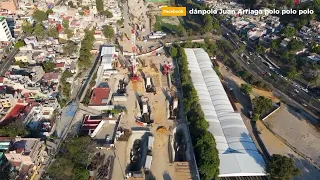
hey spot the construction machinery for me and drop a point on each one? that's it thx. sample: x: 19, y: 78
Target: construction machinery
x: 172, y: 106
x: 134, y: 69
x: 122, y: 86
x: 149, y: 85
x: 167, y: 67
x: 144, y: 115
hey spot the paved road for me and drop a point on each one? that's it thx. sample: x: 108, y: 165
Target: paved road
x: 7, y: 62
x: 280, y: 86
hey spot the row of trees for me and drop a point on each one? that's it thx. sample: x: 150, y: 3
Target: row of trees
x: 92, y: 83
x: 85, y: 58
x: 64, y: 88
x: 73, y: 159
x: 224, y: 49
x: 279, y: 167
x: 204, y: 143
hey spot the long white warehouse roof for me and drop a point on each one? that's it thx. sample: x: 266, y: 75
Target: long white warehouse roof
x: 237, y: 152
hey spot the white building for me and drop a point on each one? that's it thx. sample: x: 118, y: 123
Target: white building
x: 5, y: 34
x: 237, y: 152
x: 108, y: 53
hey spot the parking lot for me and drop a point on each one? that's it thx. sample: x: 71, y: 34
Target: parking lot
x: 276, y: 146
x: 296, y: 130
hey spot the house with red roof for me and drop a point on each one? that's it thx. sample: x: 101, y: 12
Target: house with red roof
x: 61, y: 65
x: 100, y: 98
x: 1, y: 81
x: 51, y: 77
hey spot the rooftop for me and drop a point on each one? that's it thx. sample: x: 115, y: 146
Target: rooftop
x: 50, y: 76
x: 237, y: 152
x: 107, y: 50
x: 14, y: 112
x: 99, y: 97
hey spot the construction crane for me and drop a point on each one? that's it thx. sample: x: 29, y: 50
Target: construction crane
x: 134, y: 76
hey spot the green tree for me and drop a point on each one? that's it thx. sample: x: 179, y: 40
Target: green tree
x: 260, y: 49
x: 21, y: 64
x: 246, y: 88
x: 316, y: 49
x: 216, y: 26
x: 85, y: 57
x: 302, y: 22
x: 295, y: 44
x: 242, y: 47
x: 281, y: 168
x: 69, y: 33
x: 19, y: 44
x: 70, y: 48
x: 61, y: 168
x: 108, y: 31
x: 49, y: 11
x: 99, y: 5
x: 173, y: 51
x: 65, y: 24
x: 15, y: 128
x: 207, y: 24
x: 80, y: 173
x: 289, y: 31
x: 292, y: 72
x: 275, y: 44
x: 289, y: 3
x: 316, y: 6
x: 225, y: 46
x: 39, y: 31
x: 27, y: 28
x: 261, y: 105
x: 53, y: 32
x: 48, y: 66
x: 39, y: 15
x: 120, y: 22
x: 79, y: 149
x: 106, y: 13
x: 207, y: 156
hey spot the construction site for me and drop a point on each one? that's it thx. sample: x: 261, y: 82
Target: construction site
x: 148, y: 142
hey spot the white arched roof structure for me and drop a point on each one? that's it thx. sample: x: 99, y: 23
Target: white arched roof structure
x: 237, y: 152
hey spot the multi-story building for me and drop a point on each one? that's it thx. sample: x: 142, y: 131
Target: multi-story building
x: 5, y: 34
x: 28, y: 151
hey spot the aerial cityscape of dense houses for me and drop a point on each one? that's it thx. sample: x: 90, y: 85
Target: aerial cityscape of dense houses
x: 109, y: 89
